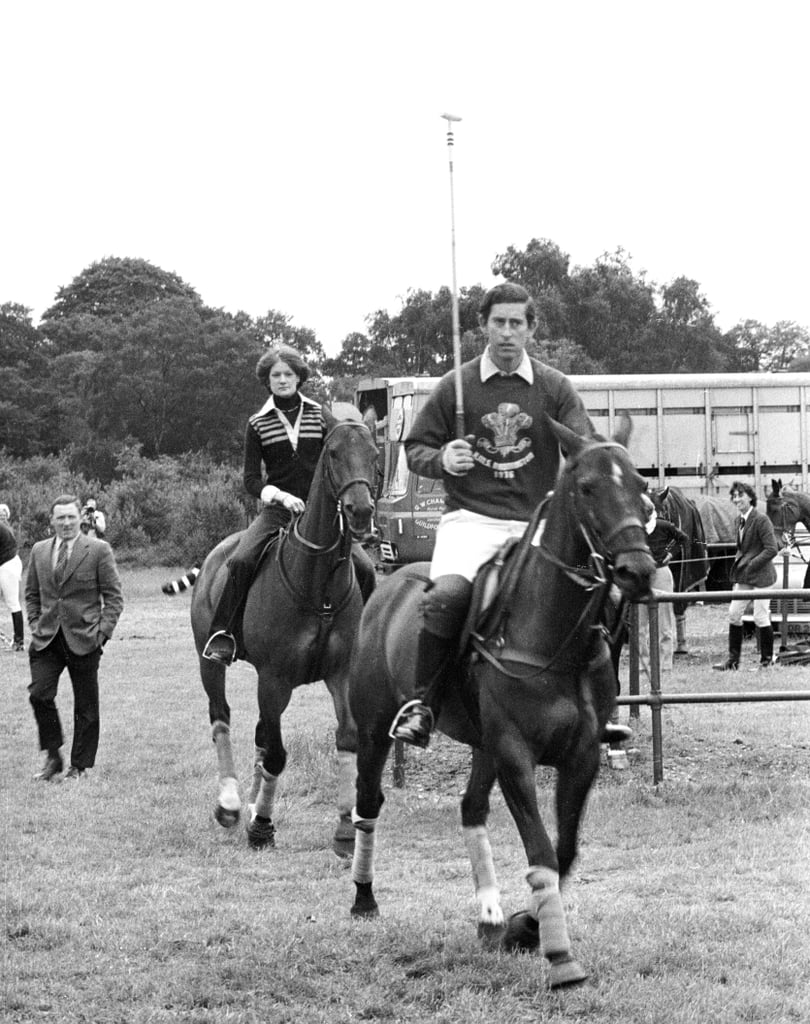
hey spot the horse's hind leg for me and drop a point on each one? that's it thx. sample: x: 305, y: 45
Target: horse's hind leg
x: 229, y: 804
x: 474, y: 815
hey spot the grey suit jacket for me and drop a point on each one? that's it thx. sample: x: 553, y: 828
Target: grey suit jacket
x: 86, y: 607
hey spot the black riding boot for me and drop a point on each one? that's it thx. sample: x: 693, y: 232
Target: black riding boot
x: 735, y: 639
x: 221, y: 644
x: 765, y: 646
x: 19, y: 635
x: 415, y: 720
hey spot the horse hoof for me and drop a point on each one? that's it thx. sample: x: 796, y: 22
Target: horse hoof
x: 226, y: 816
x: 364, y: 909
x: 491, y: 935
x: 521, y: 934
x: 566, y: 972
x: 261, y: 833
x: 343, y: 840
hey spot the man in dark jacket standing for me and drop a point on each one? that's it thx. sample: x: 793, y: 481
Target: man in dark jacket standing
x: 753, y: 569
x: 73, y: 599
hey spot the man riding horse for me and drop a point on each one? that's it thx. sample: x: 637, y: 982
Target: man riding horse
x: 285, y: 437
x: 494, y: 477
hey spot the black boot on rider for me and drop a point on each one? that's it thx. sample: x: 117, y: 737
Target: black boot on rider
x: 444, y: 609
x: 416, y: 718
x: 735, y: 639
x: 221, y: 644
x: 765, y: 646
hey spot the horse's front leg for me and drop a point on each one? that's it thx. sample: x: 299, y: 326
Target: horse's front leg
x: 229, y: 804
x: 515, y: 767
x: 337, y: 683
x: 274, y: 696
x: 474, y: 815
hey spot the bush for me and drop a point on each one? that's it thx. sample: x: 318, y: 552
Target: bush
x: 165, y: 511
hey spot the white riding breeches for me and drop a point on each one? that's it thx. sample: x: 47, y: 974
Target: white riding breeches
x: 10, y: 576
x: 465, y: 540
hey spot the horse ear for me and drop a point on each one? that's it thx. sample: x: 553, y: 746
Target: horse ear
x: 624, y: 430
x: 664, y: 494
x: 570, y: 442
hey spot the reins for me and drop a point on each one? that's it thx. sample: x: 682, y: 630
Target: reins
x: 594, y: 579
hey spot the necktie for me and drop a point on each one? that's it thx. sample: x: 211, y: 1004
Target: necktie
x: 61, y: 563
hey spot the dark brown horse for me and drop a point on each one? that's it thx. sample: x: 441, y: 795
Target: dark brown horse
x: 537, y: 688
x: 300, y: 622
x: 786, y: 509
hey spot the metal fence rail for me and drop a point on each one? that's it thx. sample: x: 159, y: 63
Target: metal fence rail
x: 656, y: 699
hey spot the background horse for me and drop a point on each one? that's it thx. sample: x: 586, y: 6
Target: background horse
x: 299, y: 624
x: 692, y: 567
x: 785, y: 509
x: 538, y: 689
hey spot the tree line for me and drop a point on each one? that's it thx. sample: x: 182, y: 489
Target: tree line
x: 130, y: 358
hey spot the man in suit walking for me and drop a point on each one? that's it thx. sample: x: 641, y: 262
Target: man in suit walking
x: 73, y: 599
x: 753, y: 569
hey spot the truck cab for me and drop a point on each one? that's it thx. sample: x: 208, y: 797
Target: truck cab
x: 409, y: 506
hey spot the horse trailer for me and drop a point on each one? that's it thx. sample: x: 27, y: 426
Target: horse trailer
x: 699, y: 432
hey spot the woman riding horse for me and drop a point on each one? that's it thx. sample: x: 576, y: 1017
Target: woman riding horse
x: 285, y: 437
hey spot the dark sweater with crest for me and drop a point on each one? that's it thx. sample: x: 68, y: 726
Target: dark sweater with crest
x: 517, y: 457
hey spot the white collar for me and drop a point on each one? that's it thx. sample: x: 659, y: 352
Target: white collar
x: 270, y: 404
x: 489, y: 369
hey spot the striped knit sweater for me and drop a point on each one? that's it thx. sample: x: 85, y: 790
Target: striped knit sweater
x: 268, y: 445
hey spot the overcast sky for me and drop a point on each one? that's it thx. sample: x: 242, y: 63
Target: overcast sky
x: 292, y: 156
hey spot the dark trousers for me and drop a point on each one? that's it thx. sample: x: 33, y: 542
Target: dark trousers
x: 47, y: 666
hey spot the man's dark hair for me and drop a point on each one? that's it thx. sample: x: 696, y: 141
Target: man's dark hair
x: 281, y: 354
x: 508, y: 292
x: 742, y: 488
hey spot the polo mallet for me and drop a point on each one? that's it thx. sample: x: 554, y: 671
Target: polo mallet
x: 450, y: 118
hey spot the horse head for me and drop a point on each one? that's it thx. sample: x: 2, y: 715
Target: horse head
x: 350, y: 460
x: 782, y: 510
x: 605, y: 490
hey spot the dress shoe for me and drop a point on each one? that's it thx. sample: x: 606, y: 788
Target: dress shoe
x: 52, y: 767
x: 729, y: 665
x: 221, y: 647
x: 74, y: 773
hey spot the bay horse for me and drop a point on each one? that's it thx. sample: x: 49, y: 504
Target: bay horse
x: 786, y: 508
x: 537, y: 686
x: 300, y: 622
x: 691, y: 569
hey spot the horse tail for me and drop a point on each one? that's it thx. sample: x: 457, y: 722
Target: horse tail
x: 185, y: 582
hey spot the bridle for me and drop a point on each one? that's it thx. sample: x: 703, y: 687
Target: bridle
x: 595, y: 579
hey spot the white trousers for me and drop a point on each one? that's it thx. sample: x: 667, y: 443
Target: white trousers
x: 10, y: 576
x: 465, y: 540
x: 662, y: 582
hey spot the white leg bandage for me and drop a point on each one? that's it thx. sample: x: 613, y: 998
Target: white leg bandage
x: 487, y: 892
x: 266, y: 795
x: 365, y: 837
x: 546, y: 904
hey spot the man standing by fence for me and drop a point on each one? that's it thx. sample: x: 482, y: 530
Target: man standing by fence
x: 73, y: 599
x: 753, y: 569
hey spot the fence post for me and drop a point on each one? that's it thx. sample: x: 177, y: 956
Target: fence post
x: 655, y: 694
x: 632, y: 629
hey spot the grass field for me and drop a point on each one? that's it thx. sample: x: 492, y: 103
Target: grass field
x: 123, y: 900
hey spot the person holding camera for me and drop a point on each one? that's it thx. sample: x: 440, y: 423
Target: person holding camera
x: 93, y: 522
